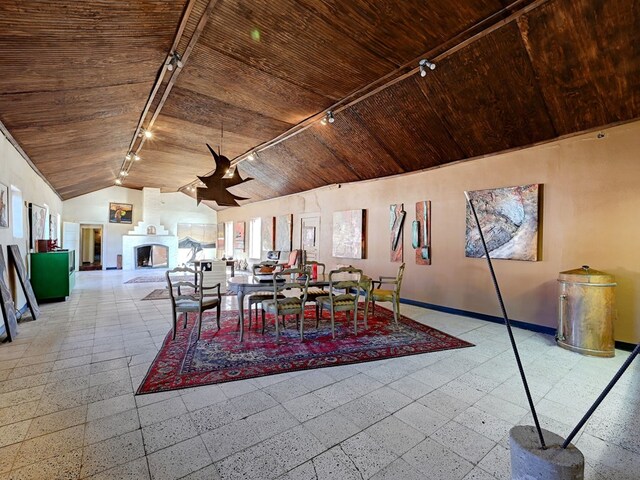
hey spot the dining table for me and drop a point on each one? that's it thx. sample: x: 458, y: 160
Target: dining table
x: 243, y: 285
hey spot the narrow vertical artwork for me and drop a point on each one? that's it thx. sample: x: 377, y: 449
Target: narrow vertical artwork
x: 268, y: 230
x: 421, y: 233
x: 220, y: 242
x: 284, y: 233
x: 238, y: 236
x: 396, y: 224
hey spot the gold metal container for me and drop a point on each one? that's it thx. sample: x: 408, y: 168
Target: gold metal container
x: 587, y: 310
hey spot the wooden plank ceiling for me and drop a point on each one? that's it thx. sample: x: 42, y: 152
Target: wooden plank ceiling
x: 76, y: 77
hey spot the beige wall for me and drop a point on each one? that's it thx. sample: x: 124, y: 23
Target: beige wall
x: 590, y: 215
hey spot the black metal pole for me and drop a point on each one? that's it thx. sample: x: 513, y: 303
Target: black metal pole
x: 600, y: 398
x: 507, y: 322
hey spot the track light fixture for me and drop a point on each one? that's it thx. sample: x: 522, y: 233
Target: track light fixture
x: 328, y: 118
x: 174, y: 61
x: 118, y: 181
x: 136, y: 158
x: 230, y: 172
x: 253, y: 156
x: 425, y: 64
x: 124, y: 173
x: 147, y: 133
x: 128, y: 156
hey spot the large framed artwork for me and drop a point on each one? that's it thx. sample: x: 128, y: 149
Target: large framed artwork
x: 4, y: 206
x: 194, y: 239
x: 396, y: 224
x: 509, y: 221
x: 267, y: 233
x: 284, y: 232
x: 6, y: 303
x: 238, y: 236
x: 53, y: 226
x: 38, y: 224
x: 349, y: 234
x: 120, y: 212
x: 421, y: 233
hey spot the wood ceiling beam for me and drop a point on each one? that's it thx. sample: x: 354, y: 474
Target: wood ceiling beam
x: 506, y: 15
x: 17, y: 146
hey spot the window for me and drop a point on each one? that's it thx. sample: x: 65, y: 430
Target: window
x: 17, y: 213
x: 228, y: 239
x: 255, y: 227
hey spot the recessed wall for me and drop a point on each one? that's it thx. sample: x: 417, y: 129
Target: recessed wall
x: 589, y: 215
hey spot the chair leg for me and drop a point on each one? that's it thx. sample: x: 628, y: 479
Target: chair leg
x: 250, y: 310
x: 218, y: 316
x: 185, y: 320
x: 277, y: 329
x: 396, y: 310
x: 333, y: 324
x: 373, y: 306
x: 175, y: 324
x: 199, y: 323
x: 263, y: 321
x: 355, y: 320
x: 302, y: 328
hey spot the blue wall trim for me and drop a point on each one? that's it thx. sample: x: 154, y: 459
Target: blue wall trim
x: 481, y: 316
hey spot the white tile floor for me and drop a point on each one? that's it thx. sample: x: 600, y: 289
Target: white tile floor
x: 67, y: 408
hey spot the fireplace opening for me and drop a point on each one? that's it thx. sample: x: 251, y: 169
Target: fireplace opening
x: 152, y: 256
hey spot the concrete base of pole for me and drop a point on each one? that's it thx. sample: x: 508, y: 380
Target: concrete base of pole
x: 530, y: 462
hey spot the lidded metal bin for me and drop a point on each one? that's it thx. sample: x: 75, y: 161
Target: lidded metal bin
x: 587, y: 310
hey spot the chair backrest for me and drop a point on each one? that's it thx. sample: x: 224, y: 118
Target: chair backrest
x: 183, y: 277
x: 293, y: 258
x: 310, y: 263
x: 291, y: 279
x: 266, y: 267
x: 345, y: 278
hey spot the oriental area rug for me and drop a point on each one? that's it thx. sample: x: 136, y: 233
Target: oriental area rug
x: 219, y: 357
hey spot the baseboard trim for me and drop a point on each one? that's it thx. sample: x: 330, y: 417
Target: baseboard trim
x: 625, y: 346
x: 481, y: 316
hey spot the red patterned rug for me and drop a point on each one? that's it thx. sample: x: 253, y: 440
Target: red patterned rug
x: 219, y: 357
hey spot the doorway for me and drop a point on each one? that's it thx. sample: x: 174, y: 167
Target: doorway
x: 91, y: 240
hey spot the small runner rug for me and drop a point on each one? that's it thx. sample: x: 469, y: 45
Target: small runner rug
x: 163, y: 294
x: 219, y: 357
x: 149, y: 279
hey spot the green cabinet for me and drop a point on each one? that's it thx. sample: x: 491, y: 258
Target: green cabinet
x: 53, y: 274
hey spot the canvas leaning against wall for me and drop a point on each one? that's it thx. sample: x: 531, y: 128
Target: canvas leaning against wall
x: 120, y: 213
x: 509, y: 221
x: 349, y: 229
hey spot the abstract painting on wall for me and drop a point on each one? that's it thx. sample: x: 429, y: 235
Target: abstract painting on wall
x: 396, y: 224
x: 284, y: 232
x: 349, y: 232
x: 194, y: 239
x: 421, y: 233
x: 268, y: 230
x: 509, y: 221
x: 238, y: 236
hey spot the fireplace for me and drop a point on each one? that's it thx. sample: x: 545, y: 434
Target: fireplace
x: 151, y: 256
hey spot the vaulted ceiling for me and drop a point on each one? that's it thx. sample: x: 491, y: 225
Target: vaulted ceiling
x: 79, y: 78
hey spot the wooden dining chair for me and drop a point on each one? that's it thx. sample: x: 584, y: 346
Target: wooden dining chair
x: 388, y: 295
x: 280, y: 305
x: 256, y: 298
x: 314, y: 292
x: 348, y: 279
x: 187, y: 294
